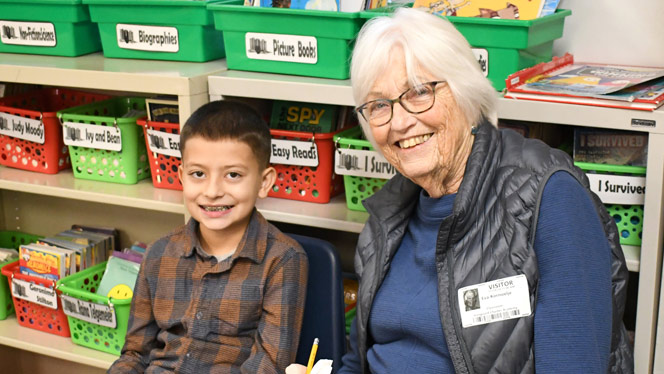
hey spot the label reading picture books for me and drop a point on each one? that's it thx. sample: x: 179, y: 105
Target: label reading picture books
x: 38, y: 34
x: 147, y: 38
x: 35, y: 293
x: 97, y: 314
x: 164, y: 143
x: 280, y: 47
x: 482, y: 56
x: 294, y: 152
x: 28, y: 129
x: 494, y: 301
x: 92, y: 136
x: 360, y: 163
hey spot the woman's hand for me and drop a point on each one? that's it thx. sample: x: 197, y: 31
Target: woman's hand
x: 296, y: 369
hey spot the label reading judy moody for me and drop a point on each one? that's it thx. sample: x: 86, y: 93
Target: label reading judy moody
x: 280, y: 47
x: 19, y: 127
x: 39, y: 34
x: 147, y: 38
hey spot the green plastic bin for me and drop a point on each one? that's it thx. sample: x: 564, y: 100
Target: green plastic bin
x: 82, y: 286
x: 504, y: 46
x: 175, y: 30
x: 357, y: 188
x: 10, y: 239
x: 47, y: 27
x: 629, y: 218
x: 127, y: 166
x: 252, y: 33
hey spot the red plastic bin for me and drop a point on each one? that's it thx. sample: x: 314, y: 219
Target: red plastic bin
x: 313, y: 184
x: 51, y: 156
x: 164, y: 167
x: 33, y: 315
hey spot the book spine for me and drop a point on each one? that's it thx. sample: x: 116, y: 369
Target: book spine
x: 521, y: 76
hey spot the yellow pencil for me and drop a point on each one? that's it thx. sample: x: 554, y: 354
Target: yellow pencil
x: 312, y: 356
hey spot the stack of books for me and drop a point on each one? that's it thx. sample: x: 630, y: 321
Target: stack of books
x: 564, y: 81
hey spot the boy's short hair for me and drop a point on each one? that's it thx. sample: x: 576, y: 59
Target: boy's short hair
x: 219, y: 120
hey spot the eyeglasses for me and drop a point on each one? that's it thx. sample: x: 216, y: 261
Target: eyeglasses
x: 415, y: 100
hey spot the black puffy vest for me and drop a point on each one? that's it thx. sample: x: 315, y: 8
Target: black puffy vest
x: 488, y: 236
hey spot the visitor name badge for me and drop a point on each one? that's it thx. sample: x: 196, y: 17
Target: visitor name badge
x: 494, y: 301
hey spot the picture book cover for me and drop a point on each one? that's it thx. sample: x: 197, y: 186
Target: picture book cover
x: 80, y: 249
x: 309, y: 117
x: 549, y: 7
x: 41, y: 261
x: 331, y: 5
x: 119, y: 278
x: 513, y: 9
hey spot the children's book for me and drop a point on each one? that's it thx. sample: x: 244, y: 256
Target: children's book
x: 549, y: 7
x: 119, y: 278
x: 513, y: 9
x: 561, y: 80
x: 44, y: 261
x: 80, y: 249
x: 113, y: 232
x: 332, y: 5
x: 308, y: 117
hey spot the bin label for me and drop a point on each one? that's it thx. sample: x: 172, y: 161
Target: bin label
x: 35, y: 293
x: 39, y: 34
x: 361, y: 163
x: 294, y: 152
x: 164, y: 143
x: 92, y: 136
x: 147, y: 38
x: 19, y: 127
x: 281, y: 47
x: 482, y: 56
x: 98, y: 314
x: 618, y: 189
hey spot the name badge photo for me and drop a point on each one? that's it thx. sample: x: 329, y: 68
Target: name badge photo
x: 494, y: 301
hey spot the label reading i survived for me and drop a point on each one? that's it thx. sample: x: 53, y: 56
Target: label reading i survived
x: 35, y: 293
x: 618, y: 189
x: 294, y: 152
x: 19, y: 127
x: 92, y: 136
x: 361, y: 163
x: 98, y: 314
x: 147, y: 38
x: 38, y: 34
x: 494, y: 301
x: 164, y: 143
x: 281, y: 47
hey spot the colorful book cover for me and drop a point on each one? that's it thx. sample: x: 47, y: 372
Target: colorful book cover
x: 513, y: 9
x: 119, y: 278
x: 549, y: 7
x: 331, y: 5
x: 309, y: 117
x: 41, y: 261
x: 81, y: 250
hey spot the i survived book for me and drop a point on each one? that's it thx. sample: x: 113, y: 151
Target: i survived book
x: 561, y: 80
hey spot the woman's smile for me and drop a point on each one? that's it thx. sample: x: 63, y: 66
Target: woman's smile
x: 413, y: 141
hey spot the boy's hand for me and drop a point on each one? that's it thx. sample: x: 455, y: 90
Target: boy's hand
x: 296, y: 369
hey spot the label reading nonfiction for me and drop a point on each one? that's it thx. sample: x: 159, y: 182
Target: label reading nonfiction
x: 618, y: 189
x: 280, y: 47
x: 482, y: 56
x: 164, y: 143
x: 98, y: 314
x: 35, y: 293
x: 360, y: 163
x: 92, y: 136
x: 294, y: 152
x: 39, y: 34
x: 147, y: 38
x: 22, y: 128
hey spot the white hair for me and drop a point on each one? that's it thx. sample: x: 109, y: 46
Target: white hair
x: 431, y: 45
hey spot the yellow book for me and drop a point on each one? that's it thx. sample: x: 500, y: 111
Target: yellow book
x: 513, y: 9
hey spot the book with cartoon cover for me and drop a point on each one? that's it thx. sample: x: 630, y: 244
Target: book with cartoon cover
x: 331, y: 5
x: 513, y: 9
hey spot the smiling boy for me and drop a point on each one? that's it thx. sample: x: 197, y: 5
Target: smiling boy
x: 225, y: 292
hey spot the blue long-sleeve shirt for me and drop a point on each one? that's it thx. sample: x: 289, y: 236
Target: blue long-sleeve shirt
x: 573, y: 310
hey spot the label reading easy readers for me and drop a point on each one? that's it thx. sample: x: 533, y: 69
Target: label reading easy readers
x: 92, y: 136
x: 147, y: 38
x: 19, y: 127
x: 35, y: 293
x: 38, y: 34
x: 281, y: 47
x: 294, y: 152
x: 98, y: 314
x: 494, y: 301
x: 164, y: 143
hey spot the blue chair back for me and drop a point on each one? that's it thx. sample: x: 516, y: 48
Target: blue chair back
x: 324, y: 308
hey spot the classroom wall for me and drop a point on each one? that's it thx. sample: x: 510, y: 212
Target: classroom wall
x: 614, y: 31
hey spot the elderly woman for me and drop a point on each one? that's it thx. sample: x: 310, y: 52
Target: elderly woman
x: 474, y: 213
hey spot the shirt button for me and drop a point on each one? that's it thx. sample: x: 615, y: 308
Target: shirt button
x: 188, y: 355
x: 199, y: 315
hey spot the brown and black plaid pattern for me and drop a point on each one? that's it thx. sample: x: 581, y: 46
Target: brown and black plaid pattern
x: 193, y: 314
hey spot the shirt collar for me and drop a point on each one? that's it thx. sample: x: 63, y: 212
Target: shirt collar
x: 253, y: 244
